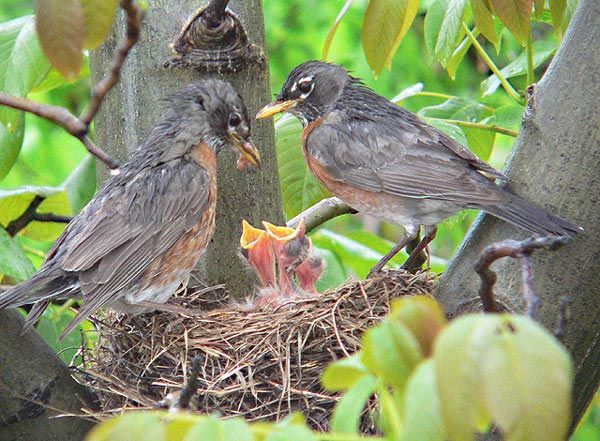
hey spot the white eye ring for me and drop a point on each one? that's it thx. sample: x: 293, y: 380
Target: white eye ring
x: 305, y: 86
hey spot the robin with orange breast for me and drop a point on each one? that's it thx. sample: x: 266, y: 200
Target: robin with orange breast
x: 384, y: 161
x: 133, y: 245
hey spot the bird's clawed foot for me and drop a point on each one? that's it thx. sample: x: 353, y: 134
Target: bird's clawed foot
x: 409, y: 237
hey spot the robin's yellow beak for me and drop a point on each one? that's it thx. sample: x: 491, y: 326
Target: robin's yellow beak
x: 247, y: 151
x: 276, y: 107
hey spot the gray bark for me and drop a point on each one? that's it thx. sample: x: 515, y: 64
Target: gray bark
x: 35, y: 386
x: 133, y: 106
x: 556, y: 164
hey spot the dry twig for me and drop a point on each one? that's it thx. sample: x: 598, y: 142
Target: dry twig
x: 321, y: 212
x: 518, y: 250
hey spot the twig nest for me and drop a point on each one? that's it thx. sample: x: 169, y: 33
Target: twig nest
x: 259, y: 364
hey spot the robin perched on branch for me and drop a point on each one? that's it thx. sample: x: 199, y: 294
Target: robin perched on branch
x: 384, y: 161
x: 139, y: 238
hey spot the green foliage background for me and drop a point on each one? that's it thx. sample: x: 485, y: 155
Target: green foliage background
x: 296, y: 31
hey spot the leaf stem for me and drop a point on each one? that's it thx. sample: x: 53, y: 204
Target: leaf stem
x: 435, y: 95
x: 530, y: 66
x: 490, y: 63
x: 480, y: 126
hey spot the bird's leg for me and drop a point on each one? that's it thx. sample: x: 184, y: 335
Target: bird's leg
x: 411, y: 233
x: 415, y: 259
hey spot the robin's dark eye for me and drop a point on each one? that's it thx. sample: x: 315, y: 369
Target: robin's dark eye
x: 305, y: 87
x: 235, y: 120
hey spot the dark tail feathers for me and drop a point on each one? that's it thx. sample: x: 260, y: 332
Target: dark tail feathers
x: 524, y: 214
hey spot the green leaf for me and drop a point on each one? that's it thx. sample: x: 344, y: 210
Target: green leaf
x: 131, y: 426
x: 348, y: 411
x: 213, y: 429
x: 51, y: 325
x: 299, y: 188
x: 391, y: 352
x: 81, y: 184
x: 525, y: 377
x: 451, y: 31
x: 407, y: 93
x: 432, y: 24
x: 60, y: 26
x: 334, y: 273
x: 386, y: 23
x: 98, y: 16
x: 292, y: 428
x: 509, y: 115
x: 538, y: 8
x: 423, y: 316
x: 542, y: 49
x: 334, y: 28
x: 456, y: 371
x: 557, y: 9
x: 353, y: 250
x: 14, y: 202
x: 13, y: 262
x: 516, y: 15
x: 451, y: 130
x: 22, y: 68
x: 457, y: 56
x: 422, y: 418
x: 343, y: 374
x: 484, y: 20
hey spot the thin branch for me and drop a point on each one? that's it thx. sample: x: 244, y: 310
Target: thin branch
x: 481, y: 126
x: 134, y: 16
x: 26, y: 217
x: 518, y: 250
x: 213, y: 14
x: 490, y: 63
x: 321, y: 212
x: 30, y: 215
x: 190, y: 388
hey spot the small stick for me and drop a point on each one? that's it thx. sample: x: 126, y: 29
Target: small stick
x: 26, y: 217
x: 563, y: 317
x: 214, y: 12
x: 321, y: 212
x: 516, y: 249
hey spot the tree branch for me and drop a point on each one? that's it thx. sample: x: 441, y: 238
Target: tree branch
x: 518, y: 250
x: 321, y: 212
x: 214, y: 12
x: 30, y: 214
x: 134, y: 17
x: 79, y: 128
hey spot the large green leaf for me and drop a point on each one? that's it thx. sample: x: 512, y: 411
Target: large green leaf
x: 557, y: 9
x: 515, y: 14
x: 219, y: 430
x: 334, y: 273
x: 391, y: 353
x: 457, y: 376
x: 386, y: 23
x: 525, y: 378
x: 299, y: 188
x: 343, y: 374
x: 348, y: 411
x: 542, y: 49
x: 432, y: 25
x: 13, y: 262
x: 22, y: 67
x: 423, y: 316
x: 98, y: 16
x: 422, y: 419
x: 451, y: 31
x: 131, y: 426
x: 484, y: 20
x: 81, y: 184
x: 61, y: 27
x: 14, y: 202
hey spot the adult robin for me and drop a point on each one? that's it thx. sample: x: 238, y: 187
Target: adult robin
x: 139, y: 238
x: 384, y: 161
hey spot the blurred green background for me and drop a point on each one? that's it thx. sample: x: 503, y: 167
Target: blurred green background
x: 296, y: 30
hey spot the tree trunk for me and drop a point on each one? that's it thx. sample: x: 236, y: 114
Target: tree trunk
x: 133, y: 106
x: 35, y: 385
x: 556, y: 164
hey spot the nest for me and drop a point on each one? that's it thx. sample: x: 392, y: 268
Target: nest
x: 256, y: 364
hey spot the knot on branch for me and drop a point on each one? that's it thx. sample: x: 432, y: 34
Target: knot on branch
x: 215, y: 41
